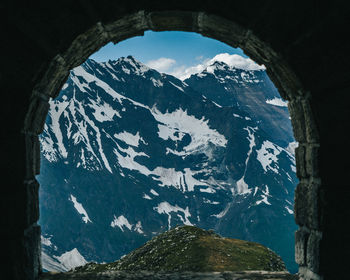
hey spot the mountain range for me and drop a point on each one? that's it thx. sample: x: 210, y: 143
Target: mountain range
x: 128, y: 153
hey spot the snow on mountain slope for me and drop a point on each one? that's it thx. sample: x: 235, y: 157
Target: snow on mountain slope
x: 65, y: 262
x: 79, y: 207
x: 137, y: 152
x: 180, y: 123
x: 166, y: 208
x: 251, y: 91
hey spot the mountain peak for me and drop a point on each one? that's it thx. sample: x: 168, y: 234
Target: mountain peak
x: 131, y: 57
x: 132, y: 64
x: 127, y: 59
x: 225, y: 72
x: 217, y: 65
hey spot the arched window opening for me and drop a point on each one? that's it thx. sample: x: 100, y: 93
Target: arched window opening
x: 129, y: 151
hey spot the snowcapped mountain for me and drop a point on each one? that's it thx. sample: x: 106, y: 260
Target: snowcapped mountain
x: 250, y: 91
x: 128, y: 152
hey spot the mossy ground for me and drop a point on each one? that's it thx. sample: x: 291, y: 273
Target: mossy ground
x: 188, y: 248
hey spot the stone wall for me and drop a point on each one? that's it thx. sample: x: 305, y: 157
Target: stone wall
x: 306, y: 56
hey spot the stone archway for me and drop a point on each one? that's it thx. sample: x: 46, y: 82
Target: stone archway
x: 308, y: 200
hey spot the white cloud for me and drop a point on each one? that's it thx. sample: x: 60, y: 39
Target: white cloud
x: 237, y: 61
x: 168, y: 65
x: 233, y: 60
x: 183, y: 72
x: 161, y: 64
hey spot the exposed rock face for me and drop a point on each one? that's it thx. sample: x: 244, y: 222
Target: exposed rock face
x: 188, y: 248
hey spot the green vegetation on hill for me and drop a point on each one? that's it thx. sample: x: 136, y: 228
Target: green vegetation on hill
x: 188, y: 248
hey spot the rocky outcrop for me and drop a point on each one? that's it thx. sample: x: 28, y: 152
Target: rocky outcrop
x: 189, y: 248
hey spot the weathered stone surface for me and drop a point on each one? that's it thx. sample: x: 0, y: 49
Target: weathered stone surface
x: 54, y: 78
x: 128, y: 26
x: 312, y: 160
x: 307, y: 250
x: 301, y: 204
x: 31, y: 202
x: 32, y: 254
x: 315, y: 204
x: 84, y: 45
x: 298, y: 119
x: 36, y: 116
x: 313, y: 251
x: 32, y: 155
x: 300, y: 152
x: 301, y: 237
x: 220, y: 29
x: 309, y: 201
x: 306, y: 274
x: 119, y: 275
x: 312, y: 134
x: 286, y: 80
x: 172, y: 20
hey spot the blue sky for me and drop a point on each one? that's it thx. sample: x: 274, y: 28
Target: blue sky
x: 173, y: 52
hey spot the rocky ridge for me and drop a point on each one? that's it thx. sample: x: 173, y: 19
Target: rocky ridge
x: 189, y: 248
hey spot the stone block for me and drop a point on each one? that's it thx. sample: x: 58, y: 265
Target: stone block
x: 285, y: 78
x: 32, y: 156
x: 36, y: 116
x: 315, y: 205
x: 301, y: 204
x: 31, y: 202
x: 296, y: 112
x: 172, y: 20
x: 36, y: 156
x: 312, y: 159
x: 301, y: 237
x: 32, y: 252
x: 128, y: 26
x: 300, y: 154
x: 306, y: 274
x: 308, y: 205
x: 313, y: 251
x: 312, y: 134
x: 221, y: 29
x: 84, y: 45
x: 54, y: 77
x: 278, y: 84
